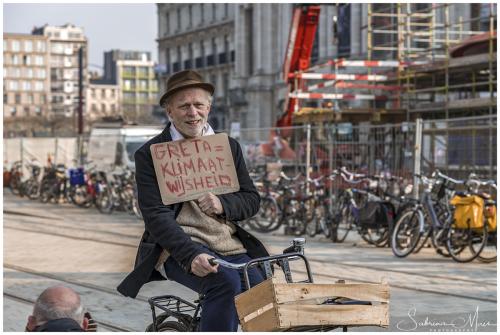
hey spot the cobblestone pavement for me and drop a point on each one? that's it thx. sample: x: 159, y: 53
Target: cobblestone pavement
x: 45, y: 244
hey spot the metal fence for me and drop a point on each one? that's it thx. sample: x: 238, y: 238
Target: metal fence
x: 460, y: 146
x: 455, y: 146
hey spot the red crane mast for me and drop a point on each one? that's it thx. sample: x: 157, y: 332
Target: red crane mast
x: 298, y: 54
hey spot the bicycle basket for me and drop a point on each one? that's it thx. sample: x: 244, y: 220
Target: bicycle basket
x: 468, y: 212
x: 76, y: 177
x: 277, y: 306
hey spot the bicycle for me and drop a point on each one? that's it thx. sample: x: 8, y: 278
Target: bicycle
x: 489, y: 252
x: 177, y: 314
x: 432, y: 216
x: 362, y: 209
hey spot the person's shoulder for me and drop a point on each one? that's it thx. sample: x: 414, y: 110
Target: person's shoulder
x: 156, y: 139
x: 232, y: 140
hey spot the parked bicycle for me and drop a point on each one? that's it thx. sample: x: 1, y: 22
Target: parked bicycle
x: 177, y: 314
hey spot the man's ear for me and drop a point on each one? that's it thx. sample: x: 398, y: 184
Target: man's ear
x: 31, y: 325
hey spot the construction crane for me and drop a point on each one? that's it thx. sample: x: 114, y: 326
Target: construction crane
x: 298, y: 54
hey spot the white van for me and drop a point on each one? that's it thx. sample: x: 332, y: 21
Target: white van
x: 114, y: 145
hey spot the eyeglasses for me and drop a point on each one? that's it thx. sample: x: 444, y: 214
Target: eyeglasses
x: 197, y: 106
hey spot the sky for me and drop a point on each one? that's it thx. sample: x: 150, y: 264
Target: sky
x: 106, y: 26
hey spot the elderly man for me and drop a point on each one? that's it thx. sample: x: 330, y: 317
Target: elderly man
x: 179, y: 239
x: 58, y: 309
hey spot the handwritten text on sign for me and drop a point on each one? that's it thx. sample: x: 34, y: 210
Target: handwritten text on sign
x: 187, y: 169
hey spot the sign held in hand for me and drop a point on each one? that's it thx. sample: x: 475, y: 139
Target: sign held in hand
x: 189, y: 168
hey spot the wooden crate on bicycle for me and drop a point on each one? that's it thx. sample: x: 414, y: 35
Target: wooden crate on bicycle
x: 278, y: 306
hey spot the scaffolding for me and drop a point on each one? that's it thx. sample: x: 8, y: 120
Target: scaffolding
x: 413, y: 68
x: 442, y: 82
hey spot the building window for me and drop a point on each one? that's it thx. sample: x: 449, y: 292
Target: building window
x: 225, y: 85
x: 26, y: 86
x: 226, y: 10
x: 5, y: 98
x: 15, y: 45
x: 40, y: 46
x: 30, y: 98
x: 112, y: 93
x: 16, y: 72
x: 17, y: 98
x: 38, y: 85
x: 29, y: 73
x: 41, y: 73
x: 28, y: 46
x: 38, y: 110
x: 143, y: 71
x: 113, y: 108
x: 190, y: 15
x: 5, y: 45
x: 214, y: 50
x: 178, y: 19
x: 38, y: 60
x: 27, y: 111
x: 103, y: 108
x: 94, y: 108
x: 167, y: 60
x: 143, y: 84
x: 15, y: 59
x: 13, y: 85
x: 26, y: 60
x: 214, y: 6
x: 43, y: 98
x: 167, y: 24
x: 13, y: 111
x: 202, y: 13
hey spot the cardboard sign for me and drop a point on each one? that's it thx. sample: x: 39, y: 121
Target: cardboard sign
x: 187, y: 169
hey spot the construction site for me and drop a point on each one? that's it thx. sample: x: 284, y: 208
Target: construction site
x: 420, y: 96
x: 424, y: 79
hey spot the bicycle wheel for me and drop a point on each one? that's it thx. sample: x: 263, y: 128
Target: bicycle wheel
x: 105, y: 201
x: 266, y: 219
x: 344, y: 221
x: 406, y: 233
x: 489, y: 253
x: 168, y: 326
x: 439, y: 234
x: 465, y: 244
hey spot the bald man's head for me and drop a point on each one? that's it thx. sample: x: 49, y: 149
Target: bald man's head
x: 58, y: 302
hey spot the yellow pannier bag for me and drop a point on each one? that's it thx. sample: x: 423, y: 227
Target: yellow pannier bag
x: 491, y: 216
x: 468, y: 211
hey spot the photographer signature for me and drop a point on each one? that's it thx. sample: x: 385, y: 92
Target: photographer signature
x: 469, y: 322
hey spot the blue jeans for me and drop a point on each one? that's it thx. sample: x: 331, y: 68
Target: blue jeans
x: 219, y: 289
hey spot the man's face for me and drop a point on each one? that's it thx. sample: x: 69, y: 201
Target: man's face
x: 188, y: 110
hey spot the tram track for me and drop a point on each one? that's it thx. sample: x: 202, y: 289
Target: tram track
x: 68, y: 226
x: 105, y: 324
x: 428, y: 280
x: 428, y: 276
x: 50, y: 233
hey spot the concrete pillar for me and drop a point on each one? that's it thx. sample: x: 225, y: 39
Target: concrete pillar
x: 355, y: 29
x: 364, y: 32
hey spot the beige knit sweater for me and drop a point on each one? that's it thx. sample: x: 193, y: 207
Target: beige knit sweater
x: 216, y: 234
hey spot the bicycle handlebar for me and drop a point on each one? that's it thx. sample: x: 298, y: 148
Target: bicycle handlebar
x: 284, y: 176
x: 454, y: 181
x: 294, y: 252
x: 351, y: 174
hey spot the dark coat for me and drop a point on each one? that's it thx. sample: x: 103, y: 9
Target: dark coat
x: 163, y: 232
x: 60, y: 325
